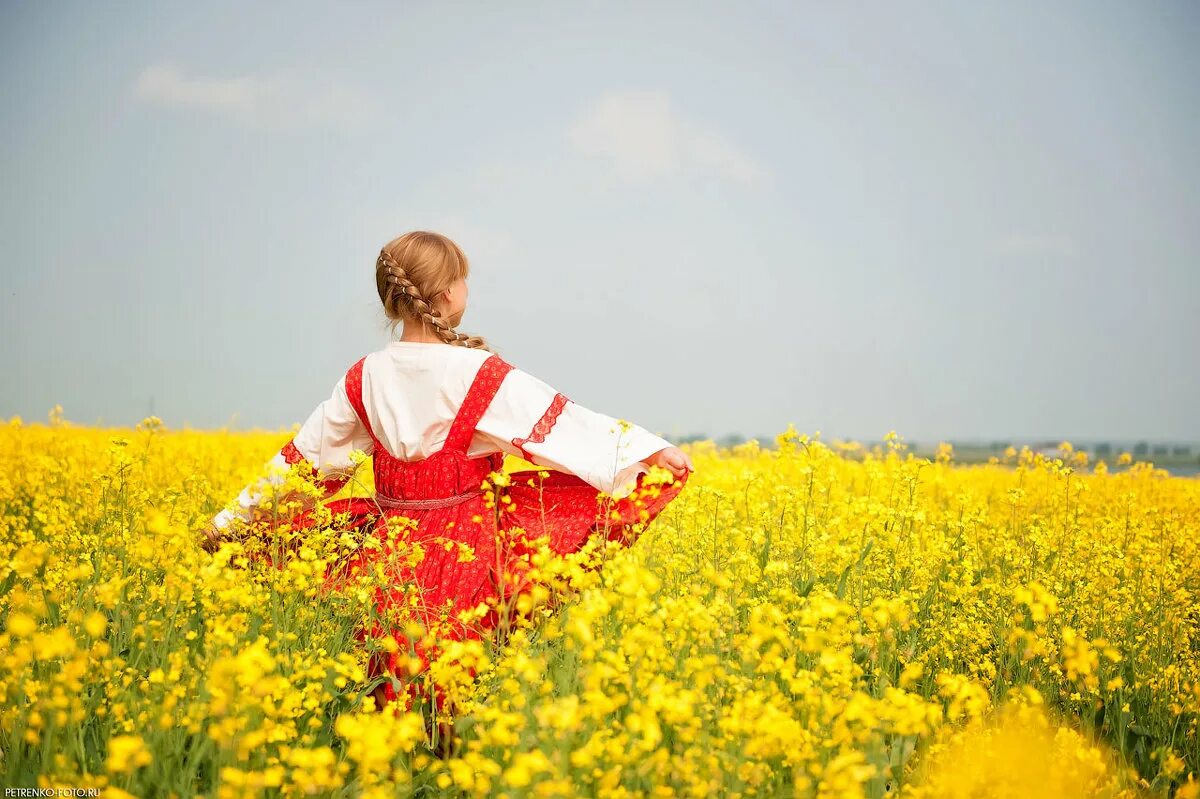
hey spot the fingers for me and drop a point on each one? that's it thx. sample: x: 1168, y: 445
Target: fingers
x: 674, y: 459
x: 679, y: 461
x: 212, y: 539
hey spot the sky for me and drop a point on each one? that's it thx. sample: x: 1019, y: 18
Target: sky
x: 951, y: 220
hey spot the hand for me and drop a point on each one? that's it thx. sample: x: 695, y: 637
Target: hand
x: 211, y: 537
x: 671, y: 458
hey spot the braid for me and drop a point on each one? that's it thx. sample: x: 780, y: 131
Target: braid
x: 402, y: 287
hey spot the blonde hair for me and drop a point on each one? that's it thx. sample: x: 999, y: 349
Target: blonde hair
x: 415, y: 266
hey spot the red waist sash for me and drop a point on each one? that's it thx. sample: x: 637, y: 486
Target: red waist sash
x: 424, y: 504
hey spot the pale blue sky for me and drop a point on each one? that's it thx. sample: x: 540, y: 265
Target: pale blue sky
x: 952, y: 220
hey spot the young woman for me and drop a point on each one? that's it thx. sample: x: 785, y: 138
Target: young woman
x: 438, y: 411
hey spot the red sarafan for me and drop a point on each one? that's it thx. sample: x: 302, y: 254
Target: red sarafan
x: 439, y: 409
x: 387, y: 405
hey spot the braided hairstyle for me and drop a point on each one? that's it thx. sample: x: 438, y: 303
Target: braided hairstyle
x: 417, y: 265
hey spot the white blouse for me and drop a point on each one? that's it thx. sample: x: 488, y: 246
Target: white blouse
x: 411, y: 392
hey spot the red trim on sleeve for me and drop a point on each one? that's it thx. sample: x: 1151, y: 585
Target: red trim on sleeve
x: 331, y: 485
x: 290, y: 453
x: 293, y: 455
x: 543, y: 425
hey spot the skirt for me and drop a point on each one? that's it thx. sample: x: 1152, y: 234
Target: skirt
x: 470, y: 557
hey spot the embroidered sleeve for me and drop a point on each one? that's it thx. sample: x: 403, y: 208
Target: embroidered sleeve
x: 530, y: 419
x: 323, y: 445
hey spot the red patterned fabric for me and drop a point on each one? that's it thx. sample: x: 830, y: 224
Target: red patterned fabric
x: 543, y: 425
x: 354, y: 393
x: 561, y: 506
x: 290, y: 453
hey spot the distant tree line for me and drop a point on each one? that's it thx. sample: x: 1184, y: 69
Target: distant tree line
x: 725, y: 441
x: 1100, y: 449
x: 1105, y: 449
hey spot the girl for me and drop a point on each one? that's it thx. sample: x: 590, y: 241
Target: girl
x: 438, y: 410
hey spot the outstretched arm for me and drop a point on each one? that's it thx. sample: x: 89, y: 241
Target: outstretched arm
x: 325, y: 441
x: 530, y: 419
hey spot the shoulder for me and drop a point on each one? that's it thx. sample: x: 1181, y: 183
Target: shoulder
x: 463, y: 360
x: 476, y: 365
x: 490, y: 373
x: 515, y: 383
x: 451, y: 356
x: 454, y: 364
x: 357, y: 369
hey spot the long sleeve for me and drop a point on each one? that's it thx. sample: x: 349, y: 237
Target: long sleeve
x: 325, y: 440
x: 530, y: 419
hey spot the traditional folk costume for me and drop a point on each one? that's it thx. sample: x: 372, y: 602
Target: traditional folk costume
x: 438, y: 419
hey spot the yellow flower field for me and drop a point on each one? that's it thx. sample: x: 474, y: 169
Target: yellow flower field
x: 809, y: 620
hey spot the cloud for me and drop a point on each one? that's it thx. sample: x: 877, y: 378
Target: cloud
x: 644, y: 138
x: 276, y: 101
x: 1039, y: 244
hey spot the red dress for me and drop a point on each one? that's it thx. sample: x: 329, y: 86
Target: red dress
x: 443, y: 494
